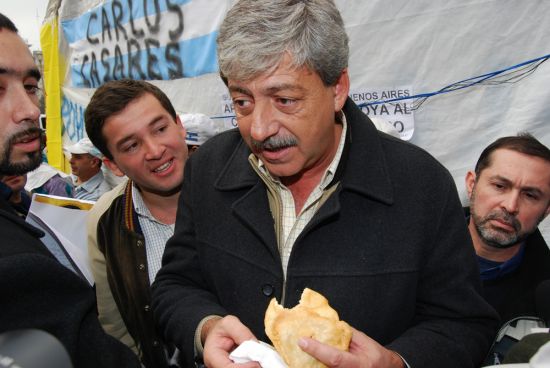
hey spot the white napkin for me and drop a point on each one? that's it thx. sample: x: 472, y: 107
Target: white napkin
x: 254, y: 351
x: 541, y: 359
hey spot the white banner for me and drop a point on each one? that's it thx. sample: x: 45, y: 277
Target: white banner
x: 428, y: 49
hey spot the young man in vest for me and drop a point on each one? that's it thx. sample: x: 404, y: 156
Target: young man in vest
x: 135, y: 126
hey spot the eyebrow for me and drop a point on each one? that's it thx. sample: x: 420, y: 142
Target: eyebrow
x: 269, y: 90
x: 32, y: 72
x: 283, y: 86
x: 238, y: 89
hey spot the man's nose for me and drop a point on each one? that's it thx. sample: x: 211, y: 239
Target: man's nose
x: 511, y: 202
x: 263, y: 123
x: 24, y: 105
x: 153, y: 149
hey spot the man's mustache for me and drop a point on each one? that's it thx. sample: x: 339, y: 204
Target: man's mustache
x: 274, y: 143
x: 506, y: 217
x: 29, y: 132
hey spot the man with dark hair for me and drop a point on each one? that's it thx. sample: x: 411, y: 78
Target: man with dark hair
x: 20, y: 150
x: 37, y: 291
x: 509, y: 195
x: 136, y: 128
x: 307, y: 193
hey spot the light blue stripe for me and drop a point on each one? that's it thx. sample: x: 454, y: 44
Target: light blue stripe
x: 198, y: 56
x: 75, y: 29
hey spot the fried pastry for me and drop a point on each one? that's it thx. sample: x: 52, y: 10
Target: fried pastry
x: 312, y: 317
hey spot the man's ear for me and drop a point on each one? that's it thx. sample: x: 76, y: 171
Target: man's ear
x: 341, y: 90
x: 97, y: 161
x: 183, y: 131
x: 470, y: 182
x: 113, y: 167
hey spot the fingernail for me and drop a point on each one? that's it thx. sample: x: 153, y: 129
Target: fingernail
x: 302, y: 343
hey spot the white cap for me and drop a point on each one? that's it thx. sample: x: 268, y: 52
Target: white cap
x: 199, y: 128
x: 84, y: 146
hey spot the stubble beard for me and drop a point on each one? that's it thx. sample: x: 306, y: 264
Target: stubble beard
x: 495, y: 237
x: 33, y: 159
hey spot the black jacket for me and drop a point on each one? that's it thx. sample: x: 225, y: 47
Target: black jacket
x: 38, y: 292
x: 389, y: 249
x: 513, y: 295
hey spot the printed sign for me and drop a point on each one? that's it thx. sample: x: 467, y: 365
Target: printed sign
x: 398, y: 113
x: 73, y: 119
x: 228, y: 112
x: 146, y: 40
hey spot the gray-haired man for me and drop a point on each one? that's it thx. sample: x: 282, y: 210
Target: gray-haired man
x: 306, y: 193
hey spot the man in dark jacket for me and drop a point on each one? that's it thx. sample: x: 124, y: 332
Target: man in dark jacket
x: 509, y: 194
x: 37, y: 291
x: 309, y: 194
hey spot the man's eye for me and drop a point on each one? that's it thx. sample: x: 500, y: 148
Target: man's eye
x: 241, y: 103
x: 531, y: 196
x: 286, y: 101
x: 130, y: 147
x: 32, y: 89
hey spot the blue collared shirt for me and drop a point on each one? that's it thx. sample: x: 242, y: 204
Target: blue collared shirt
x: 92, y: 188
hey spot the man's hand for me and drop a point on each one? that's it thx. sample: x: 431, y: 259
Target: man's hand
x: 221, y: 336
x: 364, y: 352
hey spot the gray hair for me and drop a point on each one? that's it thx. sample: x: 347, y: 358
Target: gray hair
x: 256, y: 34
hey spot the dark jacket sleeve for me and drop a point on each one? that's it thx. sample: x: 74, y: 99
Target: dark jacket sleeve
x: 453, y: 322
x: 179, y: 285
x: 38, y: 292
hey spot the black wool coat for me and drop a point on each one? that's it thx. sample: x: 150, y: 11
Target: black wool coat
x: 389, y: 249
x: 37, y: 292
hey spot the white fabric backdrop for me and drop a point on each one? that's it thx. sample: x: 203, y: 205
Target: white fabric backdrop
x: 418, y: 45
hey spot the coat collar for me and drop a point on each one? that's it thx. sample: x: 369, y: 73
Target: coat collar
x: 365, y: 171
x: 237, y: 173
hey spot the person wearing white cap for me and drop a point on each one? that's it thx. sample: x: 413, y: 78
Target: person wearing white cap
x: 86, y: 170
x: 199, y: 128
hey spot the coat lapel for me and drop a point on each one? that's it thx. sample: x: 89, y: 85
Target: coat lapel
x: 252, y: 208
x: 366, y: 171
x: 362, y: 169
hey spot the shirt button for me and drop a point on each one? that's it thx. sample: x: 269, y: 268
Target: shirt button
x: 147, y: 308
x: 267, y: 290
x: 140, y: 243
x: 141, y: 267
